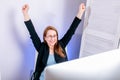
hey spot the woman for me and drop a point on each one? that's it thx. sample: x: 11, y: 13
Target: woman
x: 52, y: 50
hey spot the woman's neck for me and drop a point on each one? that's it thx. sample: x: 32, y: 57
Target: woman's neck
x: 51, y: 49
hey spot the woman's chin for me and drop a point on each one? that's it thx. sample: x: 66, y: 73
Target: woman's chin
x: 51, y: 44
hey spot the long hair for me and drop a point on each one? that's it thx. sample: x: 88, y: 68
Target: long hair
x: 57, y: 48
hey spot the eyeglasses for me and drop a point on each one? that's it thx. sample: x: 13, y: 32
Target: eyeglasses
x: 51, y: 36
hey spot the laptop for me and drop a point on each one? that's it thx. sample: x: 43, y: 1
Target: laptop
x: 102, y: 66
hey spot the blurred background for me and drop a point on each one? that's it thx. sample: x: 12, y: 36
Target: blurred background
x: 17, y: 53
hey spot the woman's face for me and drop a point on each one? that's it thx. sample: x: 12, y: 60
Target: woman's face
x: 51, y: 37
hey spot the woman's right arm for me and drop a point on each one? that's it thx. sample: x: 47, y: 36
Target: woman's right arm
x: 25, y: 9
x: 35, y: 39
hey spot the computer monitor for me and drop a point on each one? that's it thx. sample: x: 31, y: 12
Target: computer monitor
x: 102, y: 66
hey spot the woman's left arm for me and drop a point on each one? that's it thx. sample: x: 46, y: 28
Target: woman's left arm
x: 66, y: 38
x: 81, y: 10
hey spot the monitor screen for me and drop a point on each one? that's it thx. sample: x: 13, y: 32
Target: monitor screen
x: 102, y: 66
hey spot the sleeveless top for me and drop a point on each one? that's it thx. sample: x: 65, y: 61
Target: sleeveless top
x: 51, y: 61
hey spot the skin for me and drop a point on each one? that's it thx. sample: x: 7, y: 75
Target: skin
x: 51, y: 39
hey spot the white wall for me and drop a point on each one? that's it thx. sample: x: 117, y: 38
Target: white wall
x: 0, y: 76
x: 101, y: 28
x: 16, y: 49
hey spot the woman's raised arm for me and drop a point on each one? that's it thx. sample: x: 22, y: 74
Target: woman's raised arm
x: 25, y: 9
x: 81, y: 10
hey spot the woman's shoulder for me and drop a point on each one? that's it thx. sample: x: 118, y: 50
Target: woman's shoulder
x: 61, y: 43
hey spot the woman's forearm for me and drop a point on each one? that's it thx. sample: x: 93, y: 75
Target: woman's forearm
x: 26, y: 17
x: 81, y: 10
x: 25, y: 9
x: 79, y: 15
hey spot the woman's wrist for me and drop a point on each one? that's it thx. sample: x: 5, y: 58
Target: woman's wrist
x: 26, y: 16
x: 79, y: 15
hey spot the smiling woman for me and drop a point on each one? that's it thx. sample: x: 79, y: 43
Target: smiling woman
x: 51, y: 44
x: 16, y: 49
x: 50, y: 36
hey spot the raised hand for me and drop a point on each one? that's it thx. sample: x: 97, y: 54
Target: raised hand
x: 25, y: 9
x: 81, y: 10
x: 82, y: 7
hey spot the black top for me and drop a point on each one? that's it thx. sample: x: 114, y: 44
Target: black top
x: 43, y: 48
